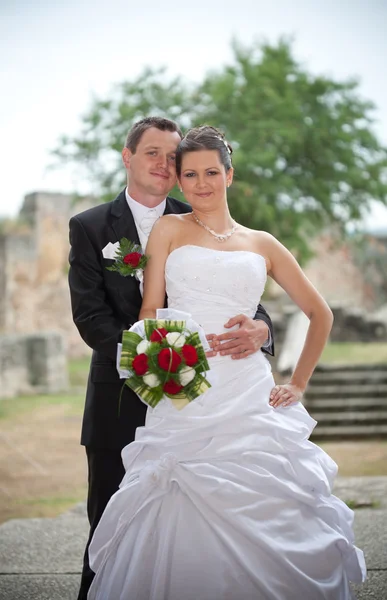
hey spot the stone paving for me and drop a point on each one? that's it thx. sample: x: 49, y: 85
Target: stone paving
x: 40, y: 559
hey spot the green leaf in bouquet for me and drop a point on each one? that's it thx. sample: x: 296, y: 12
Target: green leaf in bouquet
x: 130, y: 341
x: 150, y: 396
x: 194, y: 340
x: 197, y: 387
x: 152, y: 324
x: 194, y: 389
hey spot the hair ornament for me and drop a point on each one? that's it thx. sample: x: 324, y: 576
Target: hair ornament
x: 226, y: 144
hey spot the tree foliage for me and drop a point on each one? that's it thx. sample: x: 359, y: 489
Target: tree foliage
x: 305, y: 153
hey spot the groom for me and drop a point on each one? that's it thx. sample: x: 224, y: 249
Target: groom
x: 104, y: 304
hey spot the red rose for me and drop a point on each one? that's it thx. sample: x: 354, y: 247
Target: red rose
x: 169, y: 359
x: 189, y: 354
x: 158, y: 335
x: 140, y: 364
x: 171, y: 387
x: 132, y: 259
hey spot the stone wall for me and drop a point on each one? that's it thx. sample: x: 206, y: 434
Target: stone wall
x: 34, y: 293
x: 339, y: 276
x: 353, y: 325
x: 346, y: 273
x: 32, y: 364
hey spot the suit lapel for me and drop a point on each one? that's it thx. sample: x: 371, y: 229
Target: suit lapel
x: 168, y: 207
x: 123, y: 225
x: 122, y: 221
x: 173, y: 207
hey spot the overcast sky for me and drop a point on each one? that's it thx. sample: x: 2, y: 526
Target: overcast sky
x: 54, y: 57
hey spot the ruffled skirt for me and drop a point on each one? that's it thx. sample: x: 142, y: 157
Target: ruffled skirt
x: 226, y: 500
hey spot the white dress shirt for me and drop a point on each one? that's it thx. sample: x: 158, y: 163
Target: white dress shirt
x: 144, y: 217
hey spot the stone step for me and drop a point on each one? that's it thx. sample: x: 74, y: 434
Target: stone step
x: 331, y: 368
x: 45, y: 563
x: 353, y: 390
x: 333, y: 432
x: 340, y: 404
x: 345, y: 377
x: 341, y: 419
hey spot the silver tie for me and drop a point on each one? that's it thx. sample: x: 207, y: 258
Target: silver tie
x: 148, y: 221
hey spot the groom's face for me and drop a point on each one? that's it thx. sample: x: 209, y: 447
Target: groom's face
x: 151, y: 169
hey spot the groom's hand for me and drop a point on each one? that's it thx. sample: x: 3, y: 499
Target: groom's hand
x: 211, y: 339
x: 242, y: 342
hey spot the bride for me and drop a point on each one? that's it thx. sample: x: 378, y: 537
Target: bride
x: 226, y: 499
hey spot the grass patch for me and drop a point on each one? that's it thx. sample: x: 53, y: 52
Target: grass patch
x: 355, y: 504
x: 54, y: 502
x: 365, y: 458
x: 48, y: 506
x: 74, y: 401
x: 78, y: 371
x: 22, y: 405
x: 354, y: 353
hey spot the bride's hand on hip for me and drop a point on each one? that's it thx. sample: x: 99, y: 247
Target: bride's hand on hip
x: 285, y: 395
x: 244, y: 341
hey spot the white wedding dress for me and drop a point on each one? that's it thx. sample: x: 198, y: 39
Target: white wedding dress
x: 226, y: 499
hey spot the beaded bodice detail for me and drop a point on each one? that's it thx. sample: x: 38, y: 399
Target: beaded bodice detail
x: 214, y: 285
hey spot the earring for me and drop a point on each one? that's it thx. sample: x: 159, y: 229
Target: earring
x: 181, y: 189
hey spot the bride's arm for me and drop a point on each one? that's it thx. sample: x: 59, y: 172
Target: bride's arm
x: 157, y: 250
x: 285, y: 270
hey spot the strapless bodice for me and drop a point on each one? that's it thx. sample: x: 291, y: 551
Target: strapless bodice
x: 214, y: 285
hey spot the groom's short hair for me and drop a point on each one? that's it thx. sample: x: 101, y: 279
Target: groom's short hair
x: 140, y: 127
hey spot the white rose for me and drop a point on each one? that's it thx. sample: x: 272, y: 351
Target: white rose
x: 186, y: 375
x: 175, y: 339
x: 151, y: 380
x: 143, y: 347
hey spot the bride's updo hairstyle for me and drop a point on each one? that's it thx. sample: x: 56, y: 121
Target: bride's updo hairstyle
x: 204, y: 137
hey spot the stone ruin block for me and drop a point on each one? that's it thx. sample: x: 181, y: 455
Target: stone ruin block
x: 32, y: 364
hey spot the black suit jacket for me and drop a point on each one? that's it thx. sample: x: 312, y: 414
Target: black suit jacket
x: 104, y: 304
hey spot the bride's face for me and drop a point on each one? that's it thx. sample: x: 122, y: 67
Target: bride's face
x: 203, y: 177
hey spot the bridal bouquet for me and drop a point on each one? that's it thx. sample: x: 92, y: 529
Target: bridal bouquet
x: 165, y: 357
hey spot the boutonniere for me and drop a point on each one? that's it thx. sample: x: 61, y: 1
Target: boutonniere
x: 129, y: 259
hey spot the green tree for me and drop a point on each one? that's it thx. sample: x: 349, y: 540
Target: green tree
x: 97, y: 148
x: 305, y: 153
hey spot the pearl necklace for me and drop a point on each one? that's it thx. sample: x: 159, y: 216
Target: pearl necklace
x: 220, y: 237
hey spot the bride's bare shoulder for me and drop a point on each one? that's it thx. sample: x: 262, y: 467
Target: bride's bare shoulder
x: 260, y: 238
x: 175, y: 219
x: 264, y: 237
